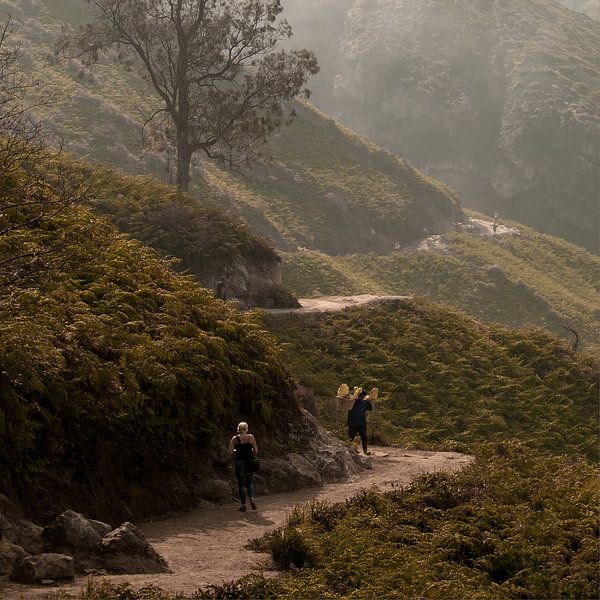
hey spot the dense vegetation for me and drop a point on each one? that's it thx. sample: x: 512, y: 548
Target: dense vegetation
x: 512, y: 279
x: 115, y: 371
x: 497, y: 99
x: 515, y: 525
x: 448, y: 381
x: 202, y: 239
x: 522, y: 521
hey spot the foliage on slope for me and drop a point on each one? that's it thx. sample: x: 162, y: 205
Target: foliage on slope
x: 515, y: 525
x: 115, y: 372
x: 333, y: 191
x: 204, y: 240
x: 327, y: 188
x: 448, y: 381
x: 497, y: 99
x: 511, y: 279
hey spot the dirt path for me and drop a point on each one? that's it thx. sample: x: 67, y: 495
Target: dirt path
x: 481, y: 227
x: 335, y: 303
x: 208, y: 546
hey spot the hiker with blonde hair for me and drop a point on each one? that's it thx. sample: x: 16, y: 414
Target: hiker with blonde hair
x: 243, y: 449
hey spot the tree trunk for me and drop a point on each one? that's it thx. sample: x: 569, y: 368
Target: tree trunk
x: 184, y: 158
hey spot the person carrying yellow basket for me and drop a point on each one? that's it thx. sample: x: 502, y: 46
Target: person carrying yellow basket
x: 357, y: 404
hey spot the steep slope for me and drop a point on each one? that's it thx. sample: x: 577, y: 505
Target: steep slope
x: 324, y: 179
x: 203, y: 239
x: 121, y: 381
x: 497, y: 99
x: 516, y: 278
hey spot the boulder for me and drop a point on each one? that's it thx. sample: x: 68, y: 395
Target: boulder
x: 101, y: 528
x: 304, y: 469
x: 126, y: 550
x: 71, y: 533
x: 287, y: 475
x: 40, y: 567
x: 10, y: 554
x: 214, y: 490
x: 25, y: 534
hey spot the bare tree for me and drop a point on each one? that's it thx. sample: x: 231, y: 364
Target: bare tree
x: 224, y: 85
x: 31, y: 195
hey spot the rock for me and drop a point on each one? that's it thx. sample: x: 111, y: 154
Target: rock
x: 283, y: 475
x: 4, y: 503
x: 214, y: 490
x: 329, y: 456
x: 260, y: 485
x: 366, y: 462
x: 71, y: 533
x: 126, y: 550
x: 304, y: 469
x: 37, y: 568
x: 101, y: 528
x: 25, y: 534
x: 10, y: 554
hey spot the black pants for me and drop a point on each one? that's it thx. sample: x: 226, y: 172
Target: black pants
x: 362, y: 431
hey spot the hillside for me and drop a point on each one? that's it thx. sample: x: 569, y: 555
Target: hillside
x: 525, y: 277
x: 202, y: 239
x: 497, y: 100
x: 522, y: 521
x: 120, y: 380
x: 324, y: 180
x: 448, y: 380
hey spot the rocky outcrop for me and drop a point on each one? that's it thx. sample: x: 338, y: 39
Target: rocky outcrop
x: 71, y: 533
x: 43, y: 568
x: 126, y: 550
x: 216, y: 491
x: 10, y: 554
x: 73, y: 544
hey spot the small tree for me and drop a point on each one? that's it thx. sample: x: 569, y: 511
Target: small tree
x: 223, y: 84
x: 32, y: 196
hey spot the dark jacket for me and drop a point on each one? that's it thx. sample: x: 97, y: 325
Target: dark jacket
x: 357, y: 415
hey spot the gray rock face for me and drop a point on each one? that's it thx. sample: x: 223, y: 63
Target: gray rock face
x: 304, y: 469
x: 331, y: 458
x: 10, y: 554
x: 40, y: 567
x: 325, y: 459
x: 25, y: 534
x: 101, y: 528
x: 214, y: 490
x: 126, y: 550
x: 71, y: 533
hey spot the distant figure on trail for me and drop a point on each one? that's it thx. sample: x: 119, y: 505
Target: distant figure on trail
x: 222, y: 289
x: 243, y: 448
x: 357, y: 418
x: 495, y: 224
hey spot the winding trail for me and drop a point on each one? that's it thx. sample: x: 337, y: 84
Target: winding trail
x: 335, y: 303
x: 209, y: 546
